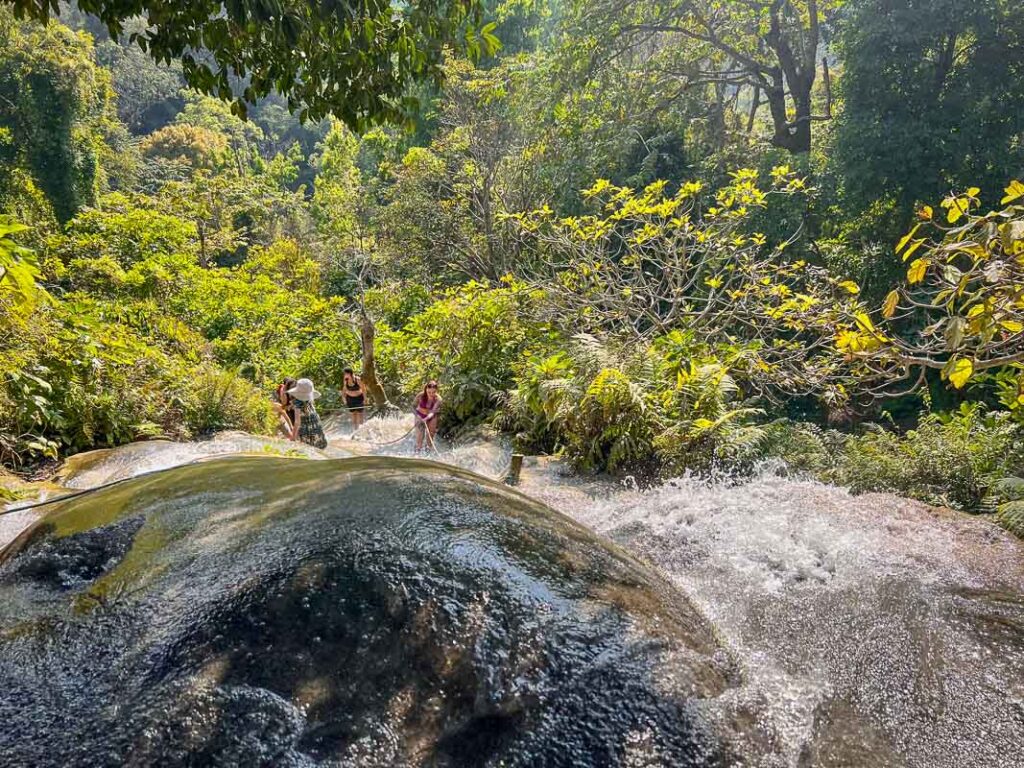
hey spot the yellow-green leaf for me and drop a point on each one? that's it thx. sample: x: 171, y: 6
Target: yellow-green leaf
x: 926, y: 213
x: 1013, y: 192
x: 918, y: 269
x: 960, y: 372
x: 1012, y: 326
x: 850, y: 286
x: 891, y: 302
x: 910, y: 251
x: 906, y: 238
x: 956, y: 206
x: 864, y: 321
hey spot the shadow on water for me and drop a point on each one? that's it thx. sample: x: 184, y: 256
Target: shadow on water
x: 370, y: 612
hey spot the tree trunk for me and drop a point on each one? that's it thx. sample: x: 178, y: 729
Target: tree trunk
x: 367, y: 334
x: 793, y: 136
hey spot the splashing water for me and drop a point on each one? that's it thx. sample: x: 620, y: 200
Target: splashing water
x: 872, y: 630
x: 484, y: 453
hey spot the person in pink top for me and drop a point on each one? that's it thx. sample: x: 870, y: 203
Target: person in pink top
x: 425, y: 409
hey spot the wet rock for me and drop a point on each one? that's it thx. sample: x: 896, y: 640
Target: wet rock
x: 69, y: 562
x: 370, y: 612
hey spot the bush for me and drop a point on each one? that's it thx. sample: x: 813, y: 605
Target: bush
x: 216, y: 400
x: 76, y: 382
x: 612, y: 427
x: 804, y: 448
x: 953, y: 459
x: 672, y: 406
x: 471, y: 340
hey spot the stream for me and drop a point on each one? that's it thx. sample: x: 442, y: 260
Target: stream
x: 813, y: 627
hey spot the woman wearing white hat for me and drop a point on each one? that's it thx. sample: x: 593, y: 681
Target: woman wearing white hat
x: 307, y: 426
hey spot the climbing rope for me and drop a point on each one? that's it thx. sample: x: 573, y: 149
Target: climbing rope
x: 390, y: 442
x: 430, y: 437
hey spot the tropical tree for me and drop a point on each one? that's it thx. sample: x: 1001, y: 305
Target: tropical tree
x: 343, y: 209
x: 930, y: 90
x: 54, y: 101
x: 960, y: 310
x: 648, y: 263
x: 768, y: 48
x: 353, y: 60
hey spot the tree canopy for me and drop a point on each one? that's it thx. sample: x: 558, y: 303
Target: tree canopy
x: 353, y: 60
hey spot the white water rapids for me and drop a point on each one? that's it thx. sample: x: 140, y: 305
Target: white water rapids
x: 871, y: 630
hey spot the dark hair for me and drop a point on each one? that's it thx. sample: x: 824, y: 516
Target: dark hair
x: 348, y: 370
x: 283, y: 388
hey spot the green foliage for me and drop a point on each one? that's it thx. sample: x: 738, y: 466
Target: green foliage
x: 961, y: 298
x: 19, y: 270
x: 670, y: 407
x: 470, y: 340
x: 217, y: 399
x: 198, y: 147
x: 147, y: 92
x: 951, y: 459
x: 804, y: 448
x: 357, y: 64
x: 1010, y: 515
x: 927, y: 87
x: 610, y: 428
x: 708, y: 429
x: 74, y: 379
x: 55, y: 110
x: 126, y: 230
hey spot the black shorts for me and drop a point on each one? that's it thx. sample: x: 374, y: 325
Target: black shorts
x: 356, y: 403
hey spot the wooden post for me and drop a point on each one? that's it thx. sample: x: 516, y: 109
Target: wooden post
x: 512, y: 478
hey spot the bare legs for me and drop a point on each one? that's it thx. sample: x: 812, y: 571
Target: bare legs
x: 422, y: 429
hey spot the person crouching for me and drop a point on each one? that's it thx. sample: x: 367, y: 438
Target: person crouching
x: 307, y: 427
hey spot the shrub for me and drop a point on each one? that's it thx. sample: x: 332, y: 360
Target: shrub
x: 952, y: 459
x: 216, y: 399
x: 611, y: 428
x: 672, y: 405
x: 804, y: 448
x: 471, y: 340
x: 1010, y: 514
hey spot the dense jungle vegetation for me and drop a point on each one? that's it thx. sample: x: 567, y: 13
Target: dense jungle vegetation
x: 655, y: 236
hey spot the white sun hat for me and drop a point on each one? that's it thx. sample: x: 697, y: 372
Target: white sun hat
x: 303, y: 390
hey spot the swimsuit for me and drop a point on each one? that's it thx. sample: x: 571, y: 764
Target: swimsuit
x: 425, y: 407
x: 353, y: 402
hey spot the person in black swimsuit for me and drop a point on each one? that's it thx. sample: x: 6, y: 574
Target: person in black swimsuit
x: 355, y: 396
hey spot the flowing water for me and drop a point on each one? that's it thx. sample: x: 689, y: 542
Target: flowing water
x: 859, y: 630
